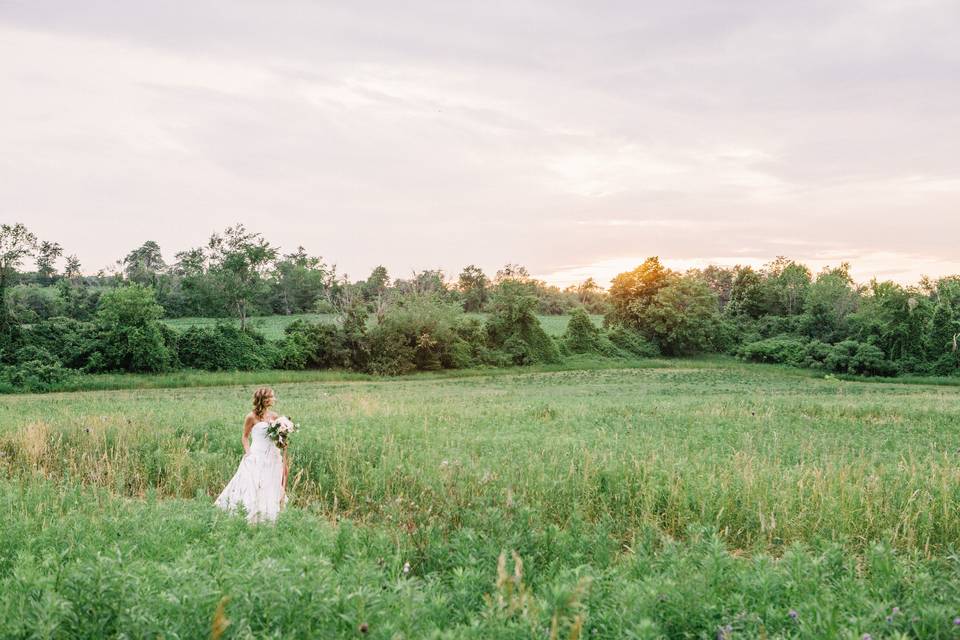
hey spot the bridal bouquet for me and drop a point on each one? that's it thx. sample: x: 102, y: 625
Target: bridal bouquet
x: 279, y: 430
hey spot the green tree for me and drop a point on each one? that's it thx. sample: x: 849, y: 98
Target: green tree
x: 299, y: 280
x: 680, y: 317
x: 238, y: 261
x: 72, y: 271
x: 895, y: 320
x: 787, y: 282
x: 942, y: 339
x: 512, y: 271
x: 46, y: 257
x: 748, y: 295
x: 376, y: 285
x: 130, y: 336
x: 473, y: 285
x: 830, y: 300
x: 195, y: 293
x: 720, y: 280
x: 16, y: 243
x: 634, y: 289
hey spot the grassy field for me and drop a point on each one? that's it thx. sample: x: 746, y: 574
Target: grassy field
x: 690, y: 500
x: 273, y: 326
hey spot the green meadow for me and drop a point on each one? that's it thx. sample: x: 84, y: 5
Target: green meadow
x: 666, y: 499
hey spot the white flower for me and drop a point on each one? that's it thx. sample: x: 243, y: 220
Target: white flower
x: 406, y: 568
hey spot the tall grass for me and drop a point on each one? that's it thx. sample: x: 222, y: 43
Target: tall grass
x: 764, y: 460
x: 82, y: 563
x: 668, y: 501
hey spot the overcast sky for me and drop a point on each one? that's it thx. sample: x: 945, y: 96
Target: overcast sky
x: 576, y: 138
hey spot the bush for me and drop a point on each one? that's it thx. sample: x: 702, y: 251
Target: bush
x: 129, y: 332
x: 858, y: 358
x: 70, y: 341
x: 817, y: 354
x: 471, y: 348
x: 513, y: 327
x: 324, y: 306
x: 32, y: 303
x: 223, y: 347
x: 581, y: 336
x: 420, y: 332
x: 779, y: 350
x: 312, y: 345
x: 632, y: 342
x: 36, y: 375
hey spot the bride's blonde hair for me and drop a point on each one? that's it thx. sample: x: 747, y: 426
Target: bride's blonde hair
x: 261, y: 400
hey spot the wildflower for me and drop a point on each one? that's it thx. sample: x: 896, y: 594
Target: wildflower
x: 444, y: 463
x: 889, y: 619
x: 793, y: 614
x: 406, y: 568
x: 956, y: 621
x: 724, y: 632
x: 363, y: 628
x: 866, y: 636
x: 895, y: 611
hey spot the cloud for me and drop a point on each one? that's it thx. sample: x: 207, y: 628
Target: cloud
x: 432, y: 135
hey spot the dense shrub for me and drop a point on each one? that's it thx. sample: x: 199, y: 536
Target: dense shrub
x: 312, y: 345
x: 817, y: 354
x: 471, y: 349
x: 222, y: 347
x: 514, y: 329
x: 70, y: 341
x: 129, y: 332
x: 679, y: 317
x: 42, y: 373
x: 32, y: 303
x: 859, y: 358
x: 581, y: 336
x: 780, y: 350
x: 419, y: 332
x: 632, y: 343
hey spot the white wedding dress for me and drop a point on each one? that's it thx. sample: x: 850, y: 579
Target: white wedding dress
x: 258, y: 482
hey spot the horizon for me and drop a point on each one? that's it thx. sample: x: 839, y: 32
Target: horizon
x: 574, y: 275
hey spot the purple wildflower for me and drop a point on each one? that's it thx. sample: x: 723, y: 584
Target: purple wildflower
x: 866, y: 636
x: 793, y: 614
x: 956, y: 621
x: 896, y: 610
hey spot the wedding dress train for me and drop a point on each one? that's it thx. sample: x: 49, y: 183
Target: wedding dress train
x: 258, y: 482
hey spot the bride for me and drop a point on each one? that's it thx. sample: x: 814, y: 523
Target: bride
x: 260, y: 483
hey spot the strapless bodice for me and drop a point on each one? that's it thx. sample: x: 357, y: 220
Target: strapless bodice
x: 259, y: 442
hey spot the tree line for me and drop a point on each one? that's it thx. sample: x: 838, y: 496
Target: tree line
x: 55, y: 324
x: 239, y: 273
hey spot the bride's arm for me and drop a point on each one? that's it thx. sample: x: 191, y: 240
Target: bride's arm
x: 245, y: 438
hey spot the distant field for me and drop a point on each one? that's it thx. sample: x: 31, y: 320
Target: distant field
x: 688, y: 499
x: 273, y: 326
